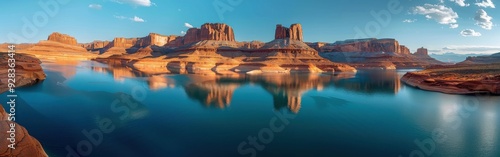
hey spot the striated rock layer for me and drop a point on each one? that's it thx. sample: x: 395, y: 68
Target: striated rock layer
x: 213, y: 48
x: 26, y: 145
x: 28, y: 71
x: 374, y: 53
x: 457, y: 79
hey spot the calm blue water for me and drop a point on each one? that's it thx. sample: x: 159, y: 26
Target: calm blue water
x: 129, y: 114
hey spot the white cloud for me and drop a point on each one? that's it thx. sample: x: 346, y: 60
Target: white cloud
x: 440, y: 13
x: 483, y: 19
x: 144, y: 3
x: 461, y: 3
x: 453, y: 25
x: 95, y: 6
x: 183, y: 32
x: 188, y: 25
x: 486, y: 4
x: 409, y: 20
x: 137, y: 19
x: 470, y: 32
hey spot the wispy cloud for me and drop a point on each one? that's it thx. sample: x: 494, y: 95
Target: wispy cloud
x: 134, y: 19
x: 453, y: 26
x: 440, y: 13
x: 188, y: 25
x: 483, y: 19
x: 461, y: 3
x: 486, y: 4
x: 468, y: 49
x: 470, y: 33
x: 137, y: 19
x: 144, y: 3
x: 95, y: 6
x: 183, y: 32
x: 409, y: 20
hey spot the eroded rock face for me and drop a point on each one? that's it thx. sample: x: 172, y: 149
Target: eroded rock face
x: 26, y: 145
x: 209, y: 31
x: 293, y: 33
x: 422, y: 52
x: 124, y: 42
x: 28, y: 71
x: 155, y: 39
x: 366, y: 45
x: 95, y: 45
x: 62, y: 38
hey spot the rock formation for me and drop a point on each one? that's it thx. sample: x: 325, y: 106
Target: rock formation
x: 457, y: 79
x: 26, y: 145
x: 373, y: 54
x: 209, y: 31
x: 488, y: 59
x: 95, y: 45
x: 28, y: 71
x: 213, y: 48
x: 155, y: 39
x: 422, y: 52
x: 293, y: 33
x: 366, y: 45
x: 62, y: 38
x: 124, y: 42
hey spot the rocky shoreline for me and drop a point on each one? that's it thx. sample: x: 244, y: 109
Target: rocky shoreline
x: 28, y: 71
x: 457, y: 79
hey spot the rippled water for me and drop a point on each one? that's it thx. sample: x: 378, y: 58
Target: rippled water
x: 363, y: 114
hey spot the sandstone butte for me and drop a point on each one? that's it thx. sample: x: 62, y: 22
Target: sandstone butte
x: 213, y: 47
x: 374, y: 53
x: 26, y: 145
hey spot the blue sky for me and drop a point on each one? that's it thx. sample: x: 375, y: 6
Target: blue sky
x: 462, y: 26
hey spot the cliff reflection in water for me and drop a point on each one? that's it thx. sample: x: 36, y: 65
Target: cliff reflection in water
x: 216, y: 91
x: 287, y: 90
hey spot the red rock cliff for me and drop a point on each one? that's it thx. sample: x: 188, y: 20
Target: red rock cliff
x: 124, y: 42
x: 422, y: 52
x: 62, y: 38
x: 155, y: 39
x: 294, y: 32
x: 209, y: 31
x: 366, y: 45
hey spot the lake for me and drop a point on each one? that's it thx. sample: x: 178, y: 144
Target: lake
x: 92, y: 109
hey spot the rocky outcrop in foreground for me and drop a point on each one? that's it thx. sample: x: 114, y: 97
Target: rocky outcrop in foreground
x: 28, y: 71
x: 457, y: 79
x: 26, y: 145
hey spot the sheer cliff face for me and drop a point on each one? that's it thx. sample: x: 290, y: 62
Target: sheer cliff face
x: 293, y: 33
x: 209, y: 31
x: 363, y: 45
x: 62, y: 38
